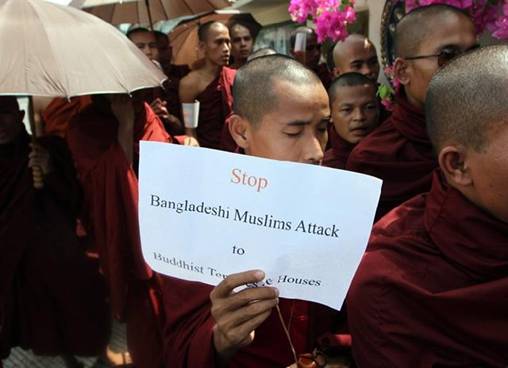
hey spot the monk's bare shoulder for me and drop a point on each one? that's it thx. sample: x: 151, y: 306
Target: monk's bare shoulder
x: 191, y: 86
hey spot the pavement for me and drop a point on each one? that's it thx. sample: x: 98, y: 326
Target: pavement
x: 20, y: 358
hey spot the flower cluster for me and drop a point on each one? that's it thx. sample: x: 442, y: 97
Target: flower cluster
x: 331, y: 17
x: 491, y: 15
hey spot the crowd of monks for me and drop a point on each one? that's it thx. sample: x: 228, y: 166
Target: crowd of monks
x: 432, y: 287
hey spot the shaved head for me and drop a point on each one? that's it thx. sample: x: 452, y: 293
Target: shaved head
x: 350, y: 80
x: 468, y: 97
x: 343, y: 48
x: 254, y: 84
x: 8, y: 104
x: 205, y: 28
x: 419, y: 24
x: 265, y: 51
x: 356, y: 54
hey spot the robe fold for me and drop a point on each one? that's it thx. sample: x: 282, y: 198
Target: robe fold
x: 431, y: 291
x: 336, y: 156
x: 400, y: 153
x: 111, y: 217
x: 188, y: 329
x: 58, y: 114
x: 216, y: 103
x: 52, y: 297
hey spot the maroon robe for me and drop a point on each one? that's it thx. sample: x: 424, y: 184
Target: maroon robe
x: 111, y: 203
x: 400, y: 153
x: 216, y: 103
x: 336, y: 156
x: 324, y: 75
x: 188, y: 329
x: 431, y: 291
x: 52, y: 297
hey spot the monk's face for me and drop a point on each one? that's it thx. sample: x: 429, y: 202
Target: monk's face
x: 241, y: 42
x: 355, y: 112
x: 357, y: 55
x: 453, y: 31
x: 146, y: 42
x: 217, y: 45
x: 489, y: 172
x: 11, y: 120
x: 295, y: 130
x: 164, y: 49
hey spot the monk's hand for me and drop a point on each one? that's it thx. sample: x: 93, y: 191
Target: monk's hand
x: 159, y: 107
x: 238, y: 314
x: 39, y: 156
x: 190, y: 141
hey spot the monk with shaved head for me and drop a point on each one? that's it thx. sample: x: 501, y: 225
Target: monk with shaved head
x: 399, y: 151
x: 431, y: 289
x: 281, y: 112
x: 210, y: 84
x: 356, y: 54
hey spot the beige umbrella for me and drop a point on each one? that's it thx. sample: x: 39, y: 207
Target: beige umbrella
x: 147, y: 11
x: 59, y: 51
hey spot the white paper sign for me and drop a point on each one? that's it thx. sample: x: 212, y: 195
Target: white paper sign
x: 190, y: 112
x: 205, y: 214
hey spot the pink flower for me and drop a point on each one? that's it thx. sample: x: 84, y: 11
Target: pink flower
x: 301, y: 10
x: 331, y: 17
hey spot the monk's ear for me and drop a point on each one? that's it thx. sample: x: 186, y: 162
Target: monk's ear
x: 336, y: 72
x: 239, y: 128
x: 454, y: 164
x: 400, y: 71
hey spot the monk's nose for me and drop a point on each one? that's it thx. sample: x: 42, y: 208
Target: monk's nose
x: 313, y: 150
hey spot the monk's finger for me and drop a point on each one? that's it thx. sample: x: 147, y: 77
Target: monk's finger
x: 248, y: 296
x: 242, y: 334
x: 244, y: 314
x: 231, y: 282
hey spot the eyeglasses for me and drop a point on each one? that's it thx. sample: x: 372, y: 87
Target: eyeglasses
x: 445, y: 56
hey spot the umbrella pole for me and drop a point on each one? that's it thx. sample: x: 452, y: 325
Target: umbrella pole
x: 36, y: 170
x: 149, y: 14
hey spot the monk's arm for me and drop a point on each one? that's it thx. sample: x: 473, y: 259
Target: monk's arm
x: 188, y: 91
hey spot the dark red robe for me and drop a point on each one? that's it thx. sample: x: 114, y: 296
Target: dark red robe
x: 432, y: 289
x: 188, y: 329
x: 400, y: 153
x: 324, y: 75
x: 216, y: 103
x: 336, y: 156
x: 111, y: 198
x: 60, y: 111
x: 52, y: 297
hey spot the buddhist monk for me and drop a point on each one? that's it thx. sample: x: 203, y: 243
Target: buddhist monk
x: 52, y: 297
x: 355, y: 114
x: 104, y: 140
x: 145, y: 40
x: 356, y: 54
x: 312, y: 55
x: 210, y: 84
x: 242, y: 44
x: 215, y: 327
x: 399, y: 151
x: 169, y: 95
x: 431, y: 289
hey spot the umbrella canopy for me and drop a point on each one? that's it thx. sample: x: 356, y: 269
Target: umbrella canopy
x: 129, y: 11
x: 53, y: 50
x: 184, y: 37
